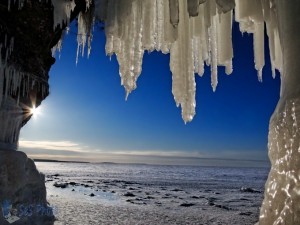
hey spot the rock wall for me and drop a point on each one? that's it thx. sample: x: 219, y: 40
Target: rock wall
x: 23, y: 191
x: 27, y: 36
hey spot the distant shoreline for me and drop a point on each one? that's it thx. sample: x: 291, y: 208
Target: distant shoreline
x: 52, y: 160
x: 149, y: 164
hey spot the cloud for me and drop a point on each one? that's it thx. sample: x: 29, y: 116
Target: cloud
x: 72, y: 151
x: 53, y: 145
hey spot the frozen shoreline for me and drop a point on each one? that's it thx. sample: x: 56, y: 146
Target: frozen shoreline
x: 156, y: 201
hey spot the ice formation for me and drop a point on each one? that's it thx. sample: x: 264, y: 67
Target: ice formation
x: 194, y: 32
x: 198, y: 32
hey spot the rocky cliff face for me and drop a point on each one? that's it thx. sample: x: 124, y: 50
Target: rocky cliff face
x: 22, y: 191
x: 26, y: 39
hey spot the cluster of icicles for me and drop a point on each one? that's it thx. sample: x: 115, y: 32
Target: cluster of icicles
x: 194, y: 32
x: 14, y: 82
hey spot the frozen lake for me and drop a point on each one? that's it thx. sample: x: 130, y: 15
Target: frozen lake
x: 153, y: 194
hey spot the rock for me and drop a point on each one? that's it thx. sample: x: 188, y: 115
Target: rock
x: 196, y: 197
x: 73, y: 189
x: 187, y: 204
x: 60, y: 185
x: 250, y: 190
x: 72, y: 183
x: 245, y: 213
x: 129, y: 194
x: 92, y: 194
x: 22, y: 183
x: 176, y: 189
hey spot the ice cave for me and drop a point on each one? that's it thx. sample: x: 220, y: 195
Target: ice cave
x: 194, y: 32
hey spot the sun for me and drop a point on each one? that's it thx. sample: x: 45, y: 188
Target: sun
x: 35, y: 111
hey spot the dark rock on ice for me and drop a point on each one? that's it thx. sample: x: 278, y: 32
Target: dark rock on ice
x: 129, y: 194
x: 60, y: 185
x: 245, y: 213
x: 187, y: 204
x: 130, y: 200
x: 245, y: 199
x: 176, y: 189
x: 250, y: 190
x: 196, y: 197
x: 92, y: 194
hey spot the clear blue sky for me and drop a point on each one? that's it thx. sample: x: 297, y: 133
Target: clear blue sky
x: 87, y: 118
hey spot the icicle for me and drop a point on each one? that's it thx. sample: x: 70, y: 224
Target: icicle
x: 170, y: 32
x: 259, y: 48
x: 224, y: 41
x: 101, y: 9
x: 214, y: 53
x: 182, y: 67
x: 62, y: 11
x: 226, y: 5
x: 84, y: 36
x: 193, y: 7
x: 149, y: 24
x: 174, y: 12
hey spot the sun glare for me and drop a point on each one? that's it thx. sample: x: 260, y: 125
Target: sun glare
x: 34, y: 111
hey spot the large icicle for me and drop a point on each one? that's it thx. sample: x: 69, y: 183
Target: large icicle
x: 84, y: 35
x: 250, y: 16
x: 62, y: 11
x: 182, y: 66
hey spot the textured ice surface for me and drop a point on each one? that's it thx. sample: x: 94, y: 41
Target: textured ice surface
x: 159, y: 194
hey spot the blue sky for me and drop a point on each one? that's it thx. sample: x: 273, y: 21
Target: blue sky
x: 87, y: 118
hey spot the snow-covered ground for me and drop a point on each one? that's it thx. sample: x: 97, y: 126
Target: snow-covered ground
x: 151, y: 194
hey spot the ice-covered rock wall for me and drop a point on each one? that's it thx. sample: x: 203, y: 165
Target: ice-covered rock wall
x: 282, y: 191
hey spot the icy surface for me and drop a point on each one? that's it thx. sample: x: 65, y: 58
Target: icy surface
x: 158, y: 194
x: 282, y: 197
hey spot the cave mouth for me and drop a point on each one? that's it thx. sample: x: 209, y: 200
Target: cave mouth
x: 20, y: 84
